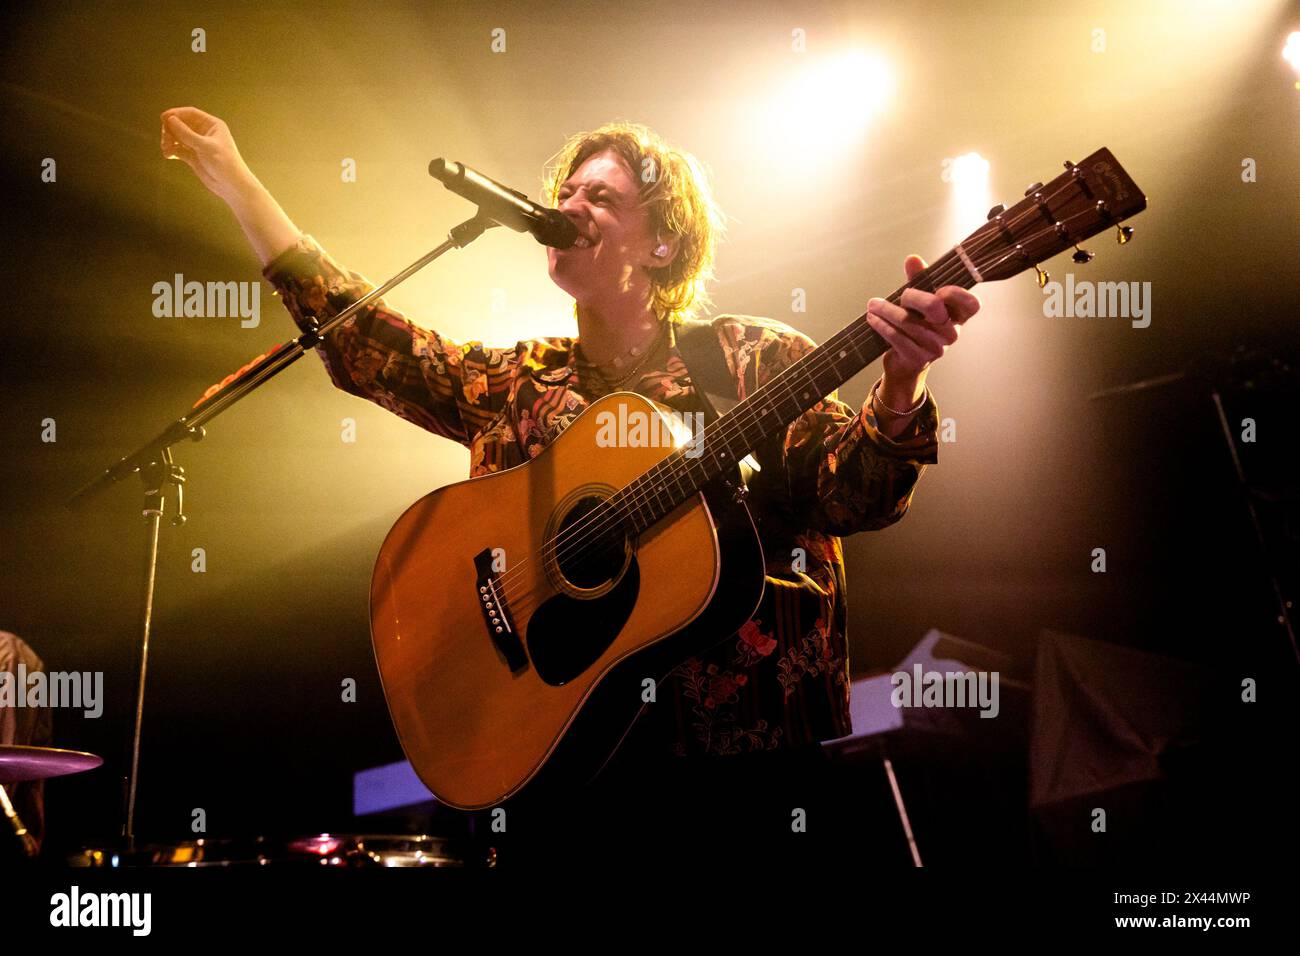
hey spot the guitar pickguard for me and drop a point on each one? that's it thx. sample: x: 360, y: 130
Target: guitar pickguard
x: 567, y: 635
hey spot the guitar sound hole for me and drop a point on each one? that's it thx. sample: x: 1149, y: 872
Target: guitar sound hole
x: 588, y: 554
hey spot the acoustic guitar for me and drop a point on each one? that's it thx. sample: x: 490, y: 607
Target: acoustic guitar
x: 514, y: 643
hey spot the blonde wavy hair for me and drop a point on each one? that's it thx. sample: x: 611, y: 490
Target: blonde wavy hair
x: 675, y: 188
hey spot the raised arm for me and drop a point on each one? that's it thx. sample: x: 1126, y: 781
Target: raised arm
x: 448, y: 388
x: 204, y: 143
x: 451, y: 389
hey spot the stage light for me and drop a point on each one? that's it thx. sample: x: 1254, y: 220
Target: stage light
x: 828, y: 104
x: 969, y: 171
x: 1291, y: 52
x: 968, y: 175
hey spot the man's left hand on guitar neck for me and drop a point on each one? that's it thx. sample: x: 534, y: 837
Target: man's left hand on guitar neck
x: 919, y: 330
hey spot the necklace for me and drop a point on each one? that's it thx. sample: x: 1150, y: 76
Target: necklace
x: 651, y: 348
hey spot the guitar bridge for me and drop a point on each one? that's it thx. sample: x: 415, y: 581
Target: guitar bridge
x: 496, y: 612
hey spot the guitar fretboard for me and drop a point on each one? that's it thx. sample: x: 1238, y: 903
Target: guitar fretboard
x: 648, y: 499
x: 1089, y: 197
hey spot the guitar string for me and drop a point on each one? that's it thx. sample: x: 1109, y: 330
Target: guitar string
x: 952, y: 269
x: 522, y: 602
x: 563, y: 542
x: 677, y: 465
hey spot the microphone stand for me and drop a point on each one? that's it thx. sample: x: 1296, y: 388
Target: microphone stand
x: 25, y: 839
x: 157, y: 468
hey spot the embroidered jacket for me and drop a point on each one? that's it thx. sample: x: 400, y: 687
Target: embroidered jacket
x: 783, y: 679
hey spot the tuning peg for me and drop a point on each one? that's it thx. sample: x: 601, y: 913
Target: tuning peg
x: 1082, y: 256
x: 1033, y: 189
x: 1123, y: 234
x: 997, y: 210
x: 1043, y: 277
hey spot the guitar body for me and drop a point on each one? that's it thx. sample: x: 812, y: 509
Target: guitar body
x: 509, y: 661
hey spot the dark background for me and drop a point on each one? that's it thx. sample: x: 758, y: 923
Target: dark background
x: 244, y: 716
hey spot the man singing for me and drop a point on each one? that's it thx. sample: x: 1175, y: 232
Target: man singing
x: 732, y: 742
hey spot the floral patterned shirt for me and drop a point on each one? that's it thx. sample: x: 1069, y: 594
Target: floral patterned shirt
x: 783, y: 679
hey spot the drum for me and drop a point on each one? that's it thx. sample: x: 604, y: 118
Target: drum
x: 372, y: 850
x: 324, y: 849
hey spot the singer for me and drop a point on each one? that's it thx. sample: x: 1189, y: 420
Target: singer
x: 732, y: 742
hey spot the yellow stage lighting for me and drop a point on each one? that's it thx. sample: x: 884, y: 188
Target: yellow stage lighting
x: 1291, y: 52
x: 968, y: 175
x: 828, y: 104
x: 969, y: 171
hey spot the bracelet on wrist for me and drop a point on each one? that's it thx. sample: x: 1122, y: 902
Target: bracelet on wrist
x: 880, y: 402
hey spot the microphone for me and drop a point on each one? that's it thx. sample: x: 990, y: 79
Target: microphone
x: 506, y: 206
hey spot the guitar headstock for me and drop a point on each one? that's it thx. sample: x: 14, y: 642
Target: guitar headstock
x: 1088, y: 198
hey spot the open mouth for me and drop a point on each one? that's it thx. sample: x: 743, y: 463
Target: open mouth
x: 582, y: 242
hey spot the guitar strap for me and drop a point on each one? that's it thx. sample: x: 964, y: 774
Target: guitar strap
x: 715, y: 387
x: 697, y: 341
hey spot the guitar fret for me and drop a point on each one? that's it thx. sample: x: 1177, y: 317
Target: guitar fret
x: 783, y: 399
x: 996, y: 250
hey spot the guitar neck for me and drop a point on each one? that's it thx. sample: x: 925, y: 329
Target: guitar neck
x: 778, y: 403
x: 1095, y: 195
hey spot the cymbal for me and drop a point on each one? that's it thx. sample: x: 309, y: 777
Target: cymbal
x: 20, y: 764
